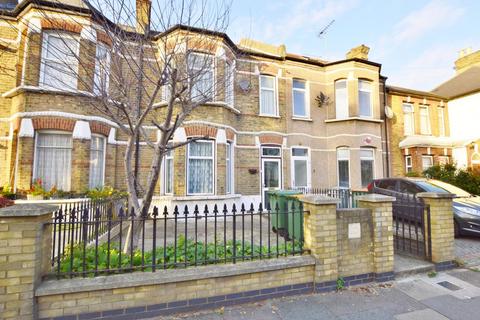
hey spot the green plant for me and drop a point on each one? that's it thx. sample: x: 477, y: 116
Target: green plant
x: 413, y: 174
x: 37, y: 188
x: 340, y: 284
x: 105, y: 192
x: 432, y: 274
x: 6, y: 192
x: 466, y: 179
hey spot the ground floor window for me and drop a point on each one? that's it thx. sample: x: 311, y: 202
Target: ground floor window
x: 168, y: 173
x: 229, y: 169
x: 408, y: 164
x: 97, y: 161
x: 343, y: 161
x: 443, y: 160
x: 53, y: 160
x: 367, y: 165
x: 300, y: 168
x: 200, y: 167
x: 427, y: 162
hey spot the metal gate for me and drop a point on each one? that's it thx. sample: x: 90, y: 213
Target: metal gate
x: 411, y: 227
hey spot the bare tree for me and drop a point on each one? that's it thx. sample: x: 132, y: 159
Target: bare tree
x: 139, y: 74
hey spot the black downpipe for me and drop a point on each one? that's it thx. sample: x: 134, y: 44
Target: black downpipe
x: 387, y: 142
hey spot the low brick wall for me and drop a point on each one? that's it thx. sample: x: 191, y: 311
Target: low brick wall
x: 169, y: 291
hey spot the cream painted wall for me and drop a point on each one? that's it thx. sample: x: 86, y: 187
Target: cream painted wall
x: 464, y: 115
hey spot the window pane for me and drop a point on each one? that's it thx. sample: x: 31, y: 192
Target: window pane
x: 343, y: 154
x: 59, y: 76
x: 267, y: 102
x: 168, y: 175
x: 271, y: 176
x: 200, y: 176
x: 427, y: 162
x: 229, y: 168
x: 341, y: 99
x: 97, y: 155
x: 343, y: 174
x: 298, y: 84
x: 300, y: 173
x: 365, y: 104
x: 200, y: 149
x: 424, y: 120
x: 267, y: 82
x: 299, y: 152
x: 366, y: 153
x: 366, y: 167
x: 364, y: 85
x: 441, y: 122
x: 299, y: 103
x: 273, y: 152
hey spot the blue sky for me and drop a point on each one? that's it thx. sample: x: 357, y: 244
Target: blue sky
x: 416, y: 42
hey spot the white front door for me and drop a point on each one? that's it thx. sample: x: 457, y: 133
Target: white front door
x: 271, y: 177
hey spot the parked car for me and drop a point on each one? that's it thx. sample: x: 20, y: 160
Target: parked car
x: 466, y: 207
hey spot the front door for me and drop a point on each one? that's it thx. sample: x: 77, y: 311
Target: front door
x: 271, y: 177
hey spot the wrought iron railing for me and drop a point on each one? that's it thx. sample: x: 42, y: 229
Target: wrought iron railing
x: 347, y: 197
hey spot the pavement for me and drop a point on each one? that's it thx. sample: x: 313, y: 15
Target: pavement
x: 446, y: 295
x: 467, y: 251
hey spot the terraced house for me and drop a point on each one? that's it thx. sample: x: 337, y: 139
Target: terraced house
x: 283, y: 120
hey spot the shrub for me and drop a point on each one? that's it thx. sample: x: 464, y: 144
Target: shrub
x: 104, y: 192
x: 468, y: 180
x: 5, y: 202
x: 37, y: 188
x: 6, y: 192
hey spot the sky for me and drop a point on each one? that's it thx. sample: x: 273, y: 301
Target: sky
x: 416, y: 41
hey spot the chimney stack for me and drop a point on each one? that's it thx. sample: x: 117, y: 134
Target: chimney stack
x: 143, y: 10
x: 466, y: 59
x: 360, y: 52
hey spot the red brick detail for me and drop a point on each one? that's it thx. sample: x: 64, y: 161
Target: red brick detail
x: 103, y: 37
x: 230, y: 134
x: 53, y: 124
x: 99, y: 128
x: 271, y: 139
x: 57, y: 24
x: 201, y: 131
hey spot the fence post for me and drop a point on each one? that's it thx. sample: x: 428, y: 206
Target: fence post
x: 383, y: 254
x: 320, y: 234
x: 25, y: 249
x: 441, y: 228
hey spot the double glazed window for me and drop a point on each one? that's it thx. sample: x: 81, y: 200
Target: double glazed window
x: 97, y: 162
x: 408, y: 164
x: 300, y: 168
x: 229, y: 169
x: 408, y: 119
x: 268, y: 96
x: 53, y: 160
x: 341, y: 99
x: 59, y: 66
x: 229, y: 83
x: 300, y: 99
x: 343, y: 161
x: 427, y: 162
x: 424, y: 120
x: 367, y: 161
x: 168, y: 173
x: 201, y: 75
x: 441, y: 121
x: 365, y: 98
x: 200, y: 168
x: 102, y: 70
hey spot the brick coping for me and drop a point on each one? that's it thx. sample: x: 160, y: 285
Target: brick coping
x: 66, y: 286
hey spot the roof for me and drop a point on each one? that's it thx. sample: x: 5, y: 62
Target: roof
x: 464, y: 83
x: 412, y: 92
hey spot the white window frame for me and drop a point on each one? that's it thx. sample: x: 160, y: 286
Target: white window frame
x: 292, y: 166
x: 372, y: 158
x: 275, y: 94
x: 212, y: 70
x: 230, y: 83
x: 106, y: 71
x: 349, y: 169
x: 104, y: 158
x: 306, y: 93
x: 408, y: 167
x: 337, y: 108
x: 168, y: 156
x: 35, y: 155
x: 411, y: 115
x: 431, y: 161
x: 229, y: 164
x: 44, y: 59
x: 423, y: 130
x: 441, y: 122
x: 370, y: 91
x: 214, y: 166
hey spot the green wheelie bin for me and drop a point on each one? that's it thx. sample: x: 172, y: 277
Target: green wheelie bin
x: 284, y: 221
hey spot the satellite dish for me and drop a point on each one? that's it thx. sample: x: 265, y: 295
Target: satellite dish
x: 245, y: 85
x: 389, y: 112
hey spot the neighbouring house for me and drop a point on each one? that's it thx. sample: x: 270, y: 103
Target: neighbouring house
x: 463, y: 93
x: 286, y: 120
x: 419, y: 130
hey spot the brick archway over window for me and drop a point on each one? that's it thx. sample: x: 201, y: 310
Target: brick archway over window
x: 271, y: 139
x: 230, y: 134
x: 99, y: 128
x: 53, y: 124
x: 201, y: 131
x: 58, y: 24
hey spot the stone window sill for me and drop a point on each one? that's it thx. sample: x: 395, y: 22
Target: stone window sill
x: 354, y: 119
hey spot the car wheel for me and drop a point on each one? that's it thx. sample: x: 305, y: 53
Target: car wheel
x: 456, y: 229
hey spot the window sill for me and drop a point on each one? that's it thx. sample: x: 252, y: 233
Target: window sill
x: 198, y: 197
x: 18, y: 90
x: 269, y: 116
x: 302, y: 119
x: 354, y: 119
x: 162, y: 104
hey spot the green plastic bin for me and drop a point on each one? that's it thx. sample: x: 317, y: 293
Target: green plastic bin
x: 287, y: 223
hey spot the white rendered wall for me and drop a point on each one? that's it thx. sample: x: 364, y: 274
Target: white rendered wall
x: 464, y: 114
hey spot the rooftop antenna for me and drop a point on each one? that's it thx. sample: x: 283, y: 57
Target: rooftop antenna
x: 323, y: 32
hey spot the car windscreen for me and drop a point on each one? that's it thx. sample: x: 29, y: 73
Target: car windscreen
x: 450, y: 188
x: 428, y: 187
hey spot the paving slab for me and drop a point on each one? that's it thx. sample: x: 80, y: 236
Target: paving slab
x: 470, y: 276
x: 425, y: 314
x: 455, y: 309
x: 305, y: 308
x: 467, y: 251
x: 419, y: 289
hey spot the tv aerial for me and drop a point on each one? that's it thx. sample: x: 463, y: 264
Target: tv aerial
x: 323, y: 32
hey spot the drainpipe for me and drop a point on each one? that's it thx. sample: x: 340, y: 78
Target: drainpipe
x: 387, y: 142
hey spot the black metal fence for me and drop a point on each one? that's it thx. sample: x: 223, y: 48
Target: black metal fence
x: 347, y: 197
x: 103, y: 239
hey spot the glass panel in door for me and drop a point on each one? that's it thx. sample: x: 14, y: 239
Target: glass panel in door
x: 270, y: 177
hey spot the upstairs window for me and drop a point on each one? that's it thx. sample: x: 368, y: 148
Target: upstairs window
x: 102, y: 70
x: 343, y: 161
x: 201, y: 75
x: 229, y: 83
x: 365, y: 98
x: 268, y: 96
x: 299, y: 94
x: 424, y: 120
x: 441, y: 121
x: 408, y: 119
x: 341, y: 99
x: 97, y: 162
x: 59, y: 65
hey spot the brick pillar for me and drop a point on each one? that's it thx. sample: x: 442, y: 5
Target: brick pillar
x: 320, y: 233
x: 25, y: 247
x: 80, y: 165
x: 383, y: 255
x: 441, y: 226
x: 24, y: 171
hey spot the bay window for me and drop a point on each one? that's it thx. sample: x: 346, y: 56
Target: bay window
x: 200, y: 167
x: 408, y: 119
x: 424, y: 120
x: 59, y: 64
x: 53, y: 160
x: 201, y: 76
x: 97, y: 161
x: 343, y: 163
x: 268, y: 96
x: 365, y: 98
x: 341, y: 99
x: 300, y: 99
x: 300, y: 168
x: 427, y: 162
x: 102, y: 69
x: 367, y: 168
